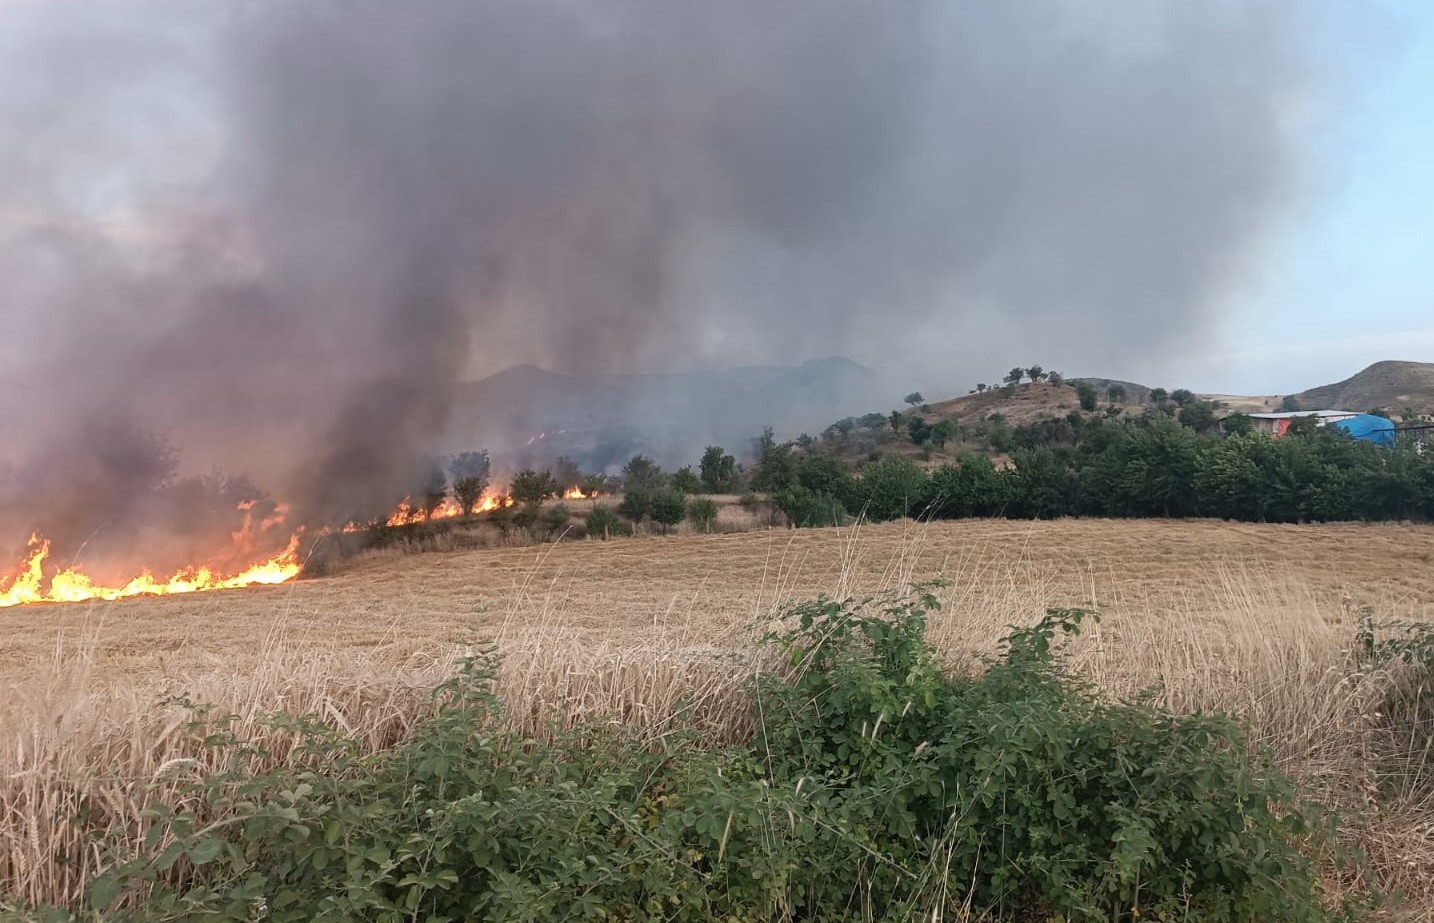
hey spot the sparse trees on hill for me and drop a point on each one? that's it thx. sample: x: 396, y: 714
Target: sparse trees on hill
x: 470, y: 472
x: 1036, y: 373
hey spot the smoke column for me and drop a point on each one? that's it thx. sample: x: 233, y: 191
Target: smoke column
x: 279, y: 231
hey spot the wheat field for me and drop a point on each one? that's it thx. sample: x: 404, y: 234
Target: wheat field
x: 1258, y: 620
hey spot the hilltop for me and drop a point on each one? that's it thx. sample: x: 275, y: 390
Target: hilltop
x: 529, y: 416
x: 1389, y: 385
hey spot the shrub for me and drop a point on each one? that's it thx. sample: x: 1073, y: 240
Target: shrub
x: 702, y: 511
x: 891, y: 487
x: 669, y: 507
x: 878, y: 787
x: 602, y: 522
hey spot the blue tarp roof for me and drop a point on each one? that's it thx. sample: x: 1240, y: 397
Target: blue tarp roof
x: 1370, y: 428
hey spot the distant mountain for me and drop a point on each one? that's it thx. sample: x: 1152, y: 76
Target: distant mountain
x: 1388, y: 385
x: 527, y: 416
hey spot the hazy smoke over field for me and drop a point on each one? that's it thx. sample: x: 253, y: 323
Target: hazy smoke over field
x: 278, y: 231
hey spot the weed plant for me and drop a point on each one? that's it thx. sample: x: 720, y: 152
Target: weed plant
x: 879, y: 786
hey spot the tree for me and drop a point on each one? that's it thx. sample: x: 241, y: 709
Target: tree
x: 718, y: 471
x: 593, y: 484
x: 942, y: 433
x: 1199, y: 416
x: 1182, y: 397
x: 702, y: 511
x: 1290, y: 404
x: 775, y: 470
x: 602, y: 522
x: 918, y: 429
x: 1085, y: 393
x: 567, y: 473
x: 1237, y: 423
x: 895, y: 421
x: 1055, y: 378
x: 669, y: 507
x: 469, y: 471
x: 1159, y: 397
x: 636, y: 504
x: 684, y: 481
x: 981, y: 387
x: 914, y: 398
x: 1014, y: 376
x: 552, y: 521
x: 531, y: 488
x: 1035, y: 373
x: 435, y: 490
x: 641, y: 473
x: 1115, y: 393
x: 891, y: 487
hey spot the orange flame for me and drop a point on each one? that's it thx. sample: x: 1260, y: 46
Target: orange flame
x: 73, y: 585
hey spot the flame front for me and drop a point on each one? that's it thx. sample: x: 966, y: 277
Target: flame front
x: 73, y: 585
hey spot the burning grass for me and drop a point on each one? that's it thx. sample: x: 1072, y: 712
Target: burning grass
x: 1258, y: 621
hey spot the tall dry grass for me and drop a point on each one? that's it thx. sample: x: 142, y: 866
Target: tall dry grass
x: 1249, y: 640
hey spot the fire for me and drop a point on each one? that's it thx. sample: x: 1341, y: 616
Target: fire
x: 408, y: 513
x: 73, y: 585
x: 576, y: 493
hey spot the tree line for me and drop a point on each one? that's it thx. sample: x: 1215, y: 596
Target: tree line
x: 1154, y: 466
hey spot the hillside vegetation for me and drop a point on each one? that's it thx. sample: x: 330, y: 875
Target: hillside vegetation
x: 1389, y: 385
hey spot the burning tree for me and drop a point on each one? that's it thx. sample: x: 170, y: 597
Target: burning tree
x: 470, y: 472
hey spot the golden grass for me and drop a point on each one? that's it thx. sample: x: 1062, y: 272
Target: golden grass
x: 1252, y: 619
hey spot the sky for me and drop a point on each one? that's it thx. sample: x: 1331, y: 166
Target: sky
x: 1350, y: 280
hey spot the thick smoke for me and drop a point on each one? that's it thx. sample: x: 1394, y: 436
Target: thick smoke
x: 280, y: 231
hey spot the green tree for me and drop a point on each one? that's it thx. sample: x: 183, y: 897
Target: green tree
x: 684, y: 481
x: 914, y: 398
x: 702, y: 511
x: 981, y: 387
x: 1115, y: 393
x: 718, y: 471
x: 918, y: 429
x: 1199, y: 416
x: 470, y: 471
x: 895, y: 420
x: 1056, y: 378
x: 970, y: 487
x: 641, y: 473
x: 531, y: 488
x: 1085, y: 393
x: 1014, y: 376
x: 1182, y: 397
x: 602, y: 522
x: 1159, y: 396
x: 636, y: 504
x: 891, y: 487
x: 942, y: 433
x: 1237, y: 423
x: 1036, y: 373
x: 669, y: 507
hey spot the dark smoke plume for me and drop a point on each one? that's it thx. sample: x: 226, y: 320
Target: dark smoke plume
x: 278, y: 232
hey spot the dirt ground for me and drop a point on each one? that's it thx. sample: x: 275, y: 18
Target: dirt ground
x: 704, y: 588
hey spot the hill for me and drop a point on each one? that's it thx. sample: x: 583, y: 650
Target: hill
x: 528, y: 416
x: 1389, y: 385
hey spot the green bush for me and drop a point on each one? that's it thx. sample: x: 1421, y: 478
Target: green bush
x: 878, y: 786
x: 602, y: 522
x: 702, y: 511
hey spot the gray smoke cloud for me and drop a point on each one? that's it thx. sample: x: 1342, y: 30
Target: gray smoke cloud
x: 279, y: 232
